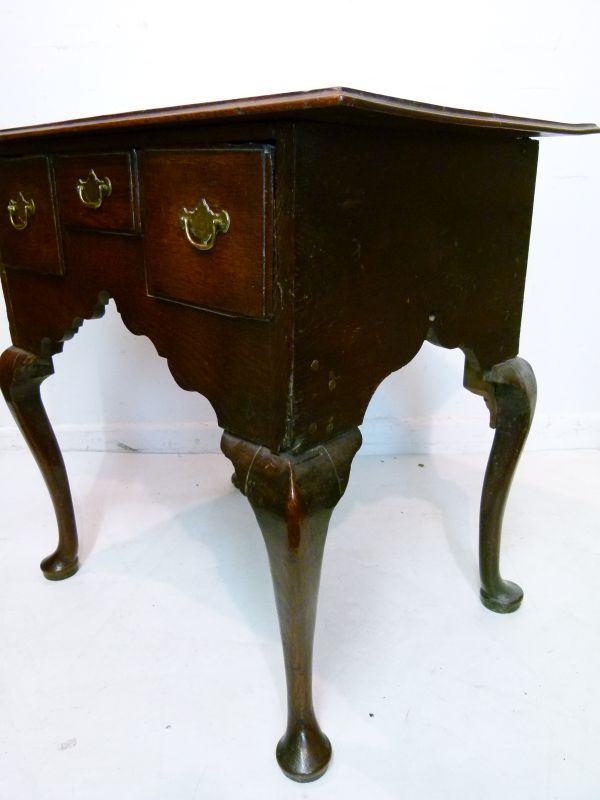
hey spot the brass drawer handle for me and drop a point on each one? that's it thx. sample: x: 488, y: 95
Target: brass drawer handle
x: 19, y: 211
x: 201, y: 225
x: 93, y: 190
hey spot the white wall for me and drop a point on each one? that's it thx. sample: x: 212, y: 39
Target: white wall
x: 69, y: 59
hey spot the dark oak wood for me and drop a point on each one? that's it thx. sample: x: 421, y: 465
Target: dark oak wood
x: 323, y: 104
x: 235, y: 275
x: 405, y: 239
x: 510, y: 392
x: 360, y: 226
x: 293, y: 497
x: 37, y: 247
x: 21, y: 374
x: 118, y: 212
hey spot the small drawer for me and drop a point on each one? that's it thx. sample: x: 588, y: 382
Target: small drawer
x: 207, y: 227
x: 96, y: 191
x: 28, y: 229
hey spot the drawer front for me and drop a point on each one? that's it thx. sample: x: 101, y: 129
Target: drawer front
x: 96, y: 191
x: 207, y: 228
x: 28, y: 228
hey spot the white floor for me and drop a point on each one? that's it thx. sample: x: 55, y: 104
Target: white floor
x: 156, y: 674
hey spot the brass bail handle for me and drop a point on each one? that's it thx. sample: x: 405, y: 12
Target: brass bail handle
x: 19, y: 212
x: 202, y: 224
x: 93, y: 190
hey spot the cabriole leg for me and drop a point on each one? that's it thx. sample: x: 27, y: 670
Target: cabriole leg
x: 21, y: 374
x: 509, y: 390
x: 293, y: 497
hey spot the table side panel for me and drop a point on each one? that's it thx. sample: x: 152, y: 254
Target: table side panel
x: 402, y: 237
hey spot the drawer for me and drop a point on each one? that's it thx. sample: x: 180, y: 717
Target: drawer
x: 28, y: 228
x: 208, y: 227
x: 96, y: 191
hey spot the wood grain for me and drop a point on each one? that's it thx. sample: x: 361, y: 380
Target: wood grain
x: 36, y: 248
x: 510, y: 392
x: 293, y: 497
x: 235, y: 275
x: 21, y: 375
x: 361, y: 226
x: 327, y: 105
x: 118, y: 212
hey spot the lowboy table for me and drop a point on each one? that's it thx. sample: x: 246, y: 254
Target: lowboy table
x: 284, y: 254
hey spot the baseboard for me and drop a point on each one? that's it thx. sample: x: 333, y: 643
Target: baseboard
x: 381, y: 435
x: 143, y: 438
x: 390, y: 436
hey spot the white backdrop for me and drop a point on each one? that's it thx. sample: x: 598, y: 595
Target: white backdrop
x: 71, y: 59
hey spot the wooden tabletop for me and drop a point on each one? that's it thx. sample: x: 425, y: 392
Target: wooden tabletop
x: 332, y: 105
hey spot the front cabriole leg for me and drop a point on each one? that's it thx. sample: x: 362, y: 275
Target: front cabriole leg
x: 509, y: 389
x: 293, y: 497
x: 21, y: 374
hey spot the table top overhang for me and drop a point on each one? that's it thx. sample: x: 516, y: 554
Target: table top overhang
x: 332, y: 105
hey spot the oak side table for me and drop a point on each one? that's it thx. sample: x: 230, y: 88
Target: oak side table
x: 284, y: 254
